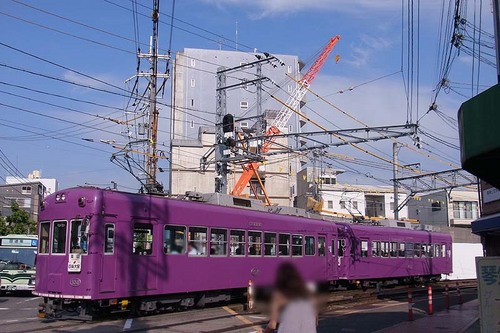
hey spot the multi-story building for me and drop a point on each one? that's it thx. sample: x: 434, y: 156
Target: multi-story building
x: 27, y: 192
x: 193, y: 119
x: 50, y: 184
x: 457, y: 208
x: 321, y: 185
x: 27, y: 195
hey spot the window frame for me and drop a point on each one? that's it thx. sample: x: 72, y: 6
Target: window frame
x: 147, y: 243
x: 308, y: 246
x: 297, y: 246
x: 183, y: 248
x: 218, y: 243
x: 106, y: 238
x: 241, y: 244
x: 202, y: 250
x: 272, y: 246
x: 47, y: 238
x: 258, y: 247
x: 65, y: 237
x: 283, y: 246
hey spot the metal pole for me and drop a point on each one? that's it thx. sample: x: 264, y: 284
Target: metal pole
x: 395, y: 176
x: 410, y: 305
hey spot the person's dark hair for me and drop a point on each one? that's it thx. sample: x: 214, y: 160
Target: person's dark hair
x: 289, y: 282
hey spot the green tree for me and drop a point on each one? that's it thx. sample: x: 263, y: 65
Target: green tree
x: 18, y: 222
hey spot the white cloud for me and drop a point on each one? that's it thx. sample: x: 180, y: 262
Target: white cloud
x: 266, y: 8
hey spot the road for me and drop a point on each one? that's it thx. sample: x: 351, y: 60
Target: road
x: 19, y: 314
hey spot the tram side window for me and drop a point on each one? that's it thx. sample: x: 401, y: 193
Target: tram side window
x: 394, y: 249
x: 321, y: 246
x: 341, y: 247
x: 198, y: 239
x: 284, y: 247
x: 409, y: 250
x: 364, y: 248
x: 310, y: 246
x: 376, y: 249
x: 297, y: 245
x: 143, y: 239
x: 174, y: 239
x: 417, y: 250
x: 385, y: 249
x: 254, y: 243
x: 59, y: 237
x: 237, y: 242
x: 109, y: 238
x: 443, y: 250
x: 44, y: 237
x: 437, y: 250
x: 218, y: 242
x: 402, y: 253
x: 78, y: 239
x: 269, y: 243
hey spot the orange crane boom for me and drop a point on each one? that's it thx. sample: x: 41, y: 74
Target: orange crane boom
x: 284, y: 115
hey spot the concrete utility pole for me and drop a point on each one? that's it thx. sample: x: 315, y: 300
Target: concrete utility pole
x: 395, y: 176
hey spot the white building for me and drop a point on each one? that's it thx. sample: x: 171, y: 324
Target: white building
x: 50, y: 184
x: 337, y: 199
x: 193, y: 119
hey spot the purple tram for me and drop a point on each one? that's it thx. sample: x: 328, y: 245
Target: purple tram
x: 105, y: 251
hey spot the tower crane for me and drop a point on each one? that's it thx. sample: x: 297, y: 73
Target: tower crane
x: 284, y: 115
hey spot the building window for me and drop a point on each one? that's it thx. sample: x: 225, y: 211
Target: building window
x: 244, y: 105
x: 342, y: 204
x: 243, y: 63
x: 436, y: 206
x: 465, y: 210
x: 192, y: 102
x: 193, y: 83
x: 355, y: 204
x: 330, y: 204
x: 193, y: 62
x: 289, y: 69
x: 191, y: 124
x: 289, y: 88
x: 26, y: 190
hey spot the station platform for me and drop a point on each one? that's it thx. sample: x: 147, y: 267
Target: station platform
x: 458, y: 319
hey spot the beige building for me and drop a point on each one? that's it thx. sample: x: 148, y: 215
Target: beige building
x: 277, y: 173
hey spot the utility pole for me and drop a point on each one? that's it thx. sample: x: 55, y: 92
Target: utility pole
x: 151, y: 158
x: 395, y: 176
x: 222, y: 151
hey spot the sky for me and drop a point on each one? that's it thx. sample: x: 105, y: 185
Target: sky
x: 65, y: 70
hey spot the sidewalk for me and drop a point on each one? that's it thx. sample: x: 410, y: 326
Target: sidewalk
x: 459, y: 319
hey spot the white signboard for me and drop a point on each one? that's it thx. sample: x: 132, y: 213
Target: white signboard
x: 75, y: 262
x: 488, y: 274
x: 491, y: 194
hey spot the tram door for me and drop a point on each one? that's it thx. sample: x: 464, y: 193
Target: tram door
x: 323, y: 256
x: 108, y: 260
x: 342, y: 257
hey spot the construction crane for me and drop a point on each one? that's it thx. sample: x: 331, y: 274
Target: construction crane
x: 283, y: 117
